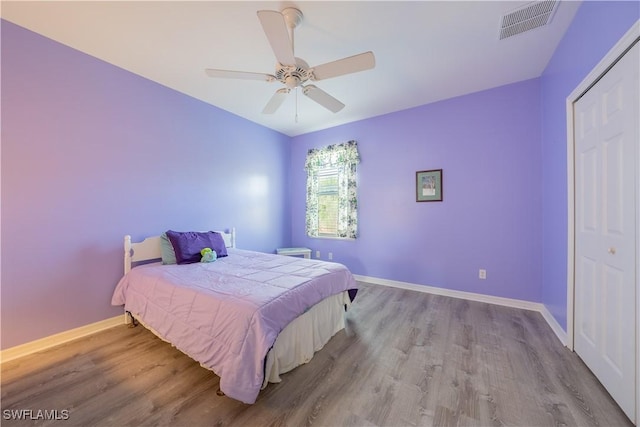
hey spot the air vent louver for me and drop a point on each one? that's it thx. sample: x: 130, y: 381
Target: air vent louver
x: 528, y: 17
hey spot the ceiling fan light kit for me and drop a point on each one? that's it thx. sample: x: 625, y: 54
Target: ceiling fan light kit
x: 291, y: 71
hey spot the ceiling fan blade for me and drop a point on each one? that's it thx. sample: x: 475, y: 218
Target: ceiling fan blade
x: 276, y: 101
x: 351, y: 64
x: 227, y: 74
x: 275, y: 27
x: 322, y: 98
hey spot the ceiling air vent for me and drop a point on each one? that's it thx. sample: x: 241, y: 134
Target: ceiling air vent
x: 527, y: 17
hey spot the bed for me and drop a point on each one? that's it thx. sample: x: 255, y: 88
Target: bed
x: 248, y: 316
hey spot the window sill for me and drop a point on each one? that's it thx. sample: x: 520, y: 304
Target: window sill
x: 331, y: 237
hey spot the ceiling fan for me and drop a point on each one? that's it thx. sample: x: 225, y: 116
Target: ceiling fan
x: 294, y: 72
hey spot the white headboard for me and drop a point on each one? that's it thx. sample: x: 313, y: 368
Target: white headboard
x: 149, y: 248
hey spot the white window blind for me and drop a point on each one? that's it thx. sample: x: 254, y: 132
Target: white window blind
x: 328, y: 202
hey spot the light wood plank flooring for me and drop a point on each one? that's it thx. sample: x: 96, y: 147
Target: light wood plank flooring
x: 405, y: 359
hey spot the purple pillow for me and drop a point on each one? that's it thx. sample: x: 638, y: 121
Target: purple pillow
x: 187, y: 245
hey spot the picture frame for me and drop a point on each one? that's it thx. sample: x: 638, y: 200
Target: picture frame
x: 429, y: 185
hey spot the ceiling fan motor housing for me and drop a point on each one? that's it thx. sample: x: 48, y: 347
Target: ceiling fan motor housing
x: 293, y: 76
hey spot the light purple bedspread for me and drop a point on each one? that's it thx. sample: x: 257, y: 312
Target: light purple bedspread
x: 227, y: 314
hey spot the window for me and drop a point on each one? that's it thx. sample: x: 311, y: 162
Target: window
x: 331, y: 191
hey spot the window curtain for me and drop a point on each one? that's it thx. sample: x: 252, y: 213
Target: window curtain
x: 345, y: 158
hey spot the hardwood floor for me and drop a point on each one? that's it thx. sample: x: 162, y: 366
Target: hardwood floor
x: 405, y: 359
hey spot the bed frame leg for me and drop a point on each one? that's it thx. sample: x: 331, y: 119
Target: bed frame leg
x: 130, y: 320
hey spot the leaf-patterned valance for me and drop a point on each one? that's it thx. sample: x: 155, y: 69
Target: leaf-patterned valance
x: 332, y: 156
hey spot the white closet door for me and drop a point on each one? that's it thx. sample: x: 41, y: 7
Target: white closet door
x: 606, y: 140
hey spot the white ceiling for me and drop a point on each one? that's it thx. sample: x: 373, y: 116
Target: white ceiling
x: 425, y: 50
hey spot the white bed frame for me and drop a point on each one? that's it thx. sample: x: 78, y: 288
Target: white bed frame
x: 150, y: 248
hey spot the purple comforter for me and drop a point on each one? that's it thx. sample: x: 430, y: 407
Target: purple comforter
x: 227, y: 314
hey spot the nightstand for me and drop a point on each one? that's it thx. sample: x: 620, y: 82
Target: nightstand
x: 305, y: 252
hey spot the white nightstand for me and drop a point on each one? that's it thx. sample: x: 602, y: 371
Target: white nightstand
x: 305, y: 252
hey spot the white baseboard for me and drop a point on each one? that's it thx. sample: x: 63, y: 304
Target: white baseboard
x: 57, y: 339
x: 489, y: 299
x: 555, y: 326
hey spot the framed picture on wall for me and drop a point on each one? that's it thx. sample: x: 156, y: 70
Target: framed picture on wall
x: 429, y: 186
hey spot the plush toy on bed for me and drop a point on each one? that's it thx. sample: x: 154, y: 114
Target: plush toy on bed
x: 208, y: 255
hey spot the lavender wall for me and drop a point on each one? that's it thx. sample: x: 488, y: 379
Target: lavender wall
x: 595, y: 29
x: 488, y: 144
x: 90, y: 153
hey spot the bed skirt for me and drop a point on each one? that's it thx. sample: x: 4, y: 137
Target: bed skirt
x: 297, y: 343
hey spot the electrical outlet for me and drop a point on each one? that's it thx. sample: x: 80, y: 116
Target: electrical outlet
x: 330, y: 256
x: 482, y: 274
x: 317, y: 254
